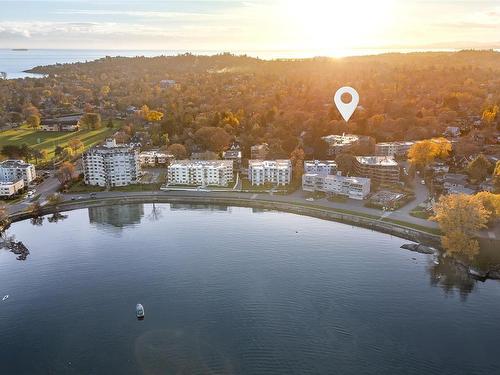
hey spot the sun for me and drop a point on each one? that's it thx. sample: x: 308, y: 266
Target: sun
x: 332, y: 26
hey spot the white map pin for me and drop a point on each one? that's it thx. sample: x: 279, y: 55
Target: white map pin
x: 346, y: 109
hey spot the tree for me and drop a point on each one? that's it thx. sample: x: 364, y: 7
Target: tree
x: 76, y: 145
x: 66, y: 172
x: 105, y: 90
x: 297, y: 158
x: 4, y: 215
x: 154, y: 116
x: 165, y: 139
x: 345, y: 163
x: 460, y: 216
x: 479, y: 168
x: 178, y: 150
x: 58, y: 150
x: 490, y: 114
x: 67, y: 153
x: 121, y: 137
x: 35, y: 208
x: 92, y: 121
x: 443, y: 148
x: 212, y: 138
x: 33, y: 121
x: 110, y: 124
x: 423, y: 153
x: 496, y: 178
x: 491, y: 202
x: 11, y: 151
x: 55, y: 199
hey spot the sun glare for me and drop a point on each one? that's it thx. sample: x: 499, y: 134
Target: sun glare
x: 333, y: 26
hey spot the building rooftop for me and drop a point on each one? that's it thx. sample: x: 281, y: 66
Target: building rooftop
x: 156, y: 153
x: 196, y: 163
x: 396, y: 143
x: 62, y: 119
x: 12, y: 163
x: 7, y: 183
x: 385, y: 161
x: 318, y: 163
x: 281, y: 163
x: 341, y: 139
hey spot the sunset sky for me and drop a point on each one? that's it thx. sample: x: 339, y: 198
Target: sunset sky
x: 322, y: 27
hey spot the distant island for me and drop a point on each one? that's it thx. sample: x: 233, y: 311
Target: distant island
x: 20, y: 49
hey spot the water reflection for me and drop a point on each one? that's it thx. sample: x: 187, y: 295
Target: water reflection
x: 451, y: 277
x: 117, y: 216
x: 198, y: 207
x: 37, y: 220
x: 156, y: 212
x: 56, y: 217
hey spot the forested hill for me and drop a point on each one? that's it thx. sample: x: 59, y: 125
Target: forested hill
x: 282, y: 102
x: 227, y: 62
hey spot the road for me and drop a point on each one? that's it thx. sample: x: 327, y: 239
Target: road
x: 46, y: 188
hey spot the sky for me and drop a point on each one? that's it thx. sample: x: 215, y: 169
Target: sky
x: 320, y: 27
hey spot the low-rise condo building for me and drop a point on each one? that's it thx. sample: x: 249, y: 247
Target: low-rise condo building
x: 11, y: 188
x: 234, y: 154
x: 393, y: 148
x: 68, y: 123
x: 154, y: 157
x: 277, y: 172
x: 259, y: 152
x: 14, y: 170
x: 111, y: 164
x: 380, y: 169
x: 338, y: 144
x: 200, y: 172
x: 351, y: 187
x: 322, y: 167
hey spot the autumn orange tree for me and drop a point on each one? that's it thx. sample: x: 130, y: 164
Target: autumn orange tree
x: 66, y: 172
x: 460, y: 216
x: 423, y: 153
x: 297, y: 158
x: 479, y: 168
x: 496, y: 178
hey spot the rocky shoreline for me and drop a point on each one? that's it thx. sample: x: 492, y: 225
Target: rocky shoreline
x: 493, y: 273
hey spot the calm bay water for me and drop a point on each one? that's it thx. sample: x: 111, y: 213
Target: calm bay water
x: 234, y: 291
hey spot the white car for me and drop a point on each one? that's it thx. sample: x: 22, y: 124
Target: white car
x: 422, y: 182
x: 310, y: 199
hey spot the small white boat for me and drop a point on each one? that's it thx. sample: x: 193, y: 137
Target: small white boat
x: 5, y: 297
x: 139, y: 311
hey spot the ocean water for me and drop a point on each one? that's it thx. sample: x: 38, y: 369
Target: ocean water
x: 234, y: 291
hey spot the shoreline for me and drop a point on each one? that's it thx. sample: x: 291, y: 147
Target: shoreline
x: 324, y: 213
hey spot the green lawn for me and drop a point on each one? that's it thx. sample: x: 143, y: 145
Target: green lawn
x: 43, y: 140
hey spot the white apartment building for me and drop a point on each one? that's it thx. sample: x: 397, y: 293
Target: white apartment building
x: 340, y: 143
x: 154, y: 157
x: 200, y: 172
x: 393, y: 148
x: 351, y: 187
x: 322, y: 167
x: 111, y: 165
x: 10, y: 188
x: 277, y: 172
x: 13, y: 170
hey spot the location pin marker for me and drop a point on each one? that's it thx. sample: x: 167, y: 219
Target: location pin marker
x: 346, y: 109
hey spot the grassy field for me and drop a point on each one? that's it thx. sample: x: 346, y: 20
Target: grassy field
x: 43, y: 140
